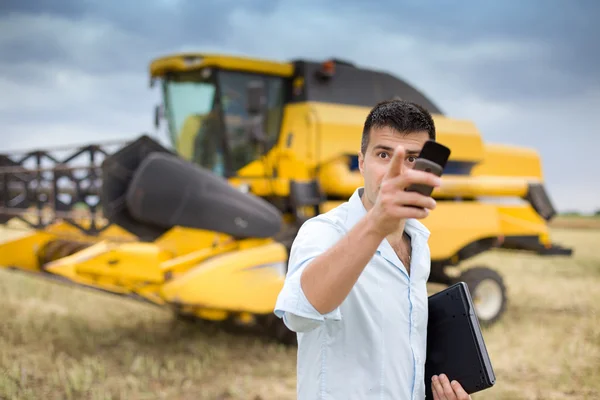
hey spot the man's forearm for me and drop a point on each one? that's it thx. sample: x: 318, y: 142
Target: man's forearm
x: 329, y: 278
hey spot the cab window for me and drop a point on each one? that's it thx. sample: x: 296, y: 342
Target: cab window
x: 232, y: 87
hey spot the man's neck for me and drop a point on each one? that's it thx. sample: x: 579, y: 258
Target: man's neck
x: 396, y: 236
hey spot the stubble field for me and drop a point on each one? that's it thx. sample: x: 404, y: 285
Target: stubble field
x: 59, y: 342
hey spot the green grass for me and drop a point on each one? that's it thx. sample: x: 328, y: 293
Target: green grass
x: 59, y: 342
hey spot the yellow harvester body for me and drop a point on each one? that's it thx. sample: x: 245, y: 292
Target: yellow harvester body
x: 176, y: 239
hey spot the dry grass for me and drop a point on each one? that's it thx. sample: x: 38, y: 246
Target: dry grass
x: 65, y: 343
x: 575, y: 222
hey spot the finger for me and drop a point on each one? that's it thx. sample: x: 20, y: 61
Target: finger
x: 436, y: 388
x: 415, y: 199
x: 408, y: 178
x: 403, y: 210
x: 412, y: 176
x: 461, y: 394
x: 396, y: 165
x: 447, y: 388
x: 411, y: 212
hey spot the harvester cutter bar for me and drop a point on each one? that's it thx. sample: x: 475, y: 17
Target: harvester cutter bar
x: 67, y: 282
x: 39, y: 187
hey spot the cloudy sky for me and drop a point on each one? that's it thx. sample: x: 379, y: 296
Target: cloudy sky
x: 527, y: 73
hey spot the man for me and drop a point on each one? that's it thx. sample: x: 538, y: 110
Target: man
x: 355, y: 291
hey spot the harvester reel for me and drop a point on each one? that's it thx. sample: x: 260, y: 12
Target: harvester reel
x: 488, y: 292
x: 147, y: 190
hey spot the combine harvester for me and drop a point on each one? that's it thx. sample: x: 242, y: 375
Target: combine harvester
x: 204, y: 226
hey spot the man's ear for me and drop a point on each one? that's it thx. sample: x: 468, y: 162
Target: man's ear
x: 361, y: 162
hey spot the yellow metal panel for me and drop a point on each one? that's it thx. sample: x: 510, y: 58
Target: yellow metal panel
x: 510, y: 161
x: 246, y: 280
x: 179, y: 241
x: 330, y: 205
x: 182, y: 264
x: 122, y: 264
x: 462, y: 137
x: 213, y: 315
x: 67, y: 266
x: 322, y: 132
x: 521, y: 219
x: 336, y: 179
x: 192, y: 61
x: 22, y: 252
x: 454, y: 225
x: 476, y: 186
x: 64, y: 230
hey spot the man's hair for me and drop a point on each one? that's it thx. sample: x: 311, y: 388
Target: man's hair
x: 403, y: 116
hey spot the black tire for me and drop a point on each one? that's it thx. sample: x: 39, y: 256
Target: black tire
x: 488, y: 292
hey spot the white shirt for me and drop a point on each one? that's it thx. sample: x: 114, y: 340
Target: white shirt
x: 373, y: 346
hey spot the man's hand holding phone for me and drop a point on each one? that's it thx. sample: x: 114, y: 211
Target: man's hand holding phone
x: 394, y: 203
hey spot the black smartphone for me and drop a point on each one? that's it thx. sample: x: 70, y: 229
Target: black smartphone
x: 432, y: 158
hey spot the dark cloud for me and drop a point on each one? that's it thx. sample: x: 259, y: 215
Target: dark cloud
x: 129, y: 31
x: 162, y: 22
x: 467, y: 21
x: 76, y: 71
x: 557, y: 53
x: 67, y: 8
x: 562, y: 36
x: 84, y: 44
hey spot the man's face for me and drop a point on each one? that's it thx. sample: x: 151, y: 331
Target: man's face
x: 374, y: 164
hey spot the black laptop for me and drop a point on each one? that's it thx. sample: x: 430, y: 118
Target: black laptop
x: 455, y: 345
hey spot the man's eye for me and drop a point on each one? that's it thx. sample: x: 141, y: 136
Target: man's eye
x: 412, y: 159
x: 383, y: 155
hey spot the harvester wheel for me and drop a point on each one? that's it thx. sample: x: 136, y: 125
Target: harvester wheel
x: 488, y: 292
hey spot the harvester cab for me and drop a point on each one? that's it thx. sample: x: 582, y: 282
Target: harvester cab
x: 204, y: 226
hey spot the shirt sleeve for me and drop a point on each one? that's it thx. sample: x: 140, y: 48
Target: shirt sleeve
x: 314, y: 237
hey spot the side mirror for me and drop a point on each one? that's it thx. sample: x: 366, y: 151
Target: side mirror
x: 257, y: 99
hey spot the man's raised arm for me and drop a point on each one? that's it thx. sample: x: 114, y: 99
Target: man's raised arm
x: 328, y: 278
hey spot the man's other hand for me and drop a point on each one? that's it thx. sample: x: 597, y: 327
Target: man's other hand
x: 443, y: 389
